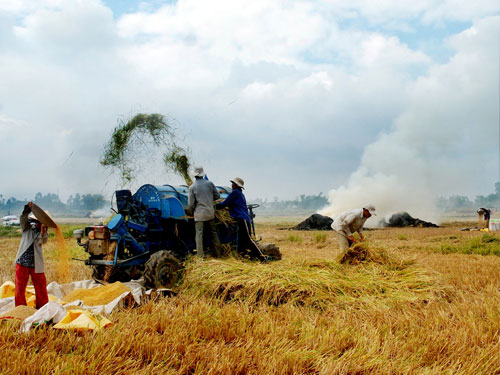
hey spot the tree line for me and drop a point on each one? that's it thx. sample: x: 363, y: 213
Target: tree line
x: 83, y: 204
x: 302, y: 202
x: 461, y: 202
x: 75, y: 205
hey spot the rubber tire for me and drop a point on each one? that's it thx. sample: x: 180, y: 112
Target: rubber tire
x: 162, y: 270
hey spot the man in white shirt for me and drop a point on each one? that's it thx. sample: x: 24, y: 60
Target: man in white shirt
x: 351, y: 221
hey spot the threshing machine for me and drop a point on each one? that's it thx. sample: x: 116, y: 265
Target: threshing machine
x: 150, y: 236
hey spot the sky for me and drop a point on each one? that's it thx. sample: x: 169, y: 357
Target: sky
x: 392, y: 103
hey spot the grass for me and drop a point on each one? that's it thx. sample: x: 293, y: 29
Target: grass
x: 487, y: 244
x: 294, y: 238
x: 10, y: 231
x: 320, y: 237
x: 409, y: 309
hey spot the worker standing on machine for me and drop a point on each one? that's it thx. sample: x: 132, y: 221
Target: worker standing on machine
x: 202, y: 194
x: 29, y: 259
x: 238, y: 210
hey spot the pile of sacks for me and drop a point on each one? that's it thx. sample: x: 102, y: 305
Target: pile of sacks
x: 76, y: 306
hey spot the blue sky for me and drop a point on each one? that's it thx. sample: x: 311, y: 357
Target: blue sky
x: 295, y: 97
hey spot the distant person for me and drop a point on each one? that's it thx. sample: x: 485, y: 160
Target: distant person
x: 29, y: 259
x: 238, y: 210
x: 349, y: 222
x: 202, y: 194
x: 486, y: 214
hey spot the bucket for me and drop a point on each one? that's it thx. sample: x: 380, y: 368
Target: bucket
x: 494, y: 225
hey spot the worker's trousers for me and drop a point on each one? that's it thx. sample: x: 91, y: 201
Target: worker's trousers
x: 39, y: 282
x: 344, y: 241
x: 245, y: 241
x: 199, y: 227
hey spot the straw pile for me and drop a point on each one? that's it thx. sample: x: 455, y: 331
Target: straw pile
x: 307, y: 283
x: 19, y: 312
x: 102, y: 295
x: 361, y: 253
x: 224, y: 217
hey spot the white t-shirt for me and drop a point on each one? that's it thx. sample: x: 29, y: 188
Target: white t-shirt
x: 350, y: 221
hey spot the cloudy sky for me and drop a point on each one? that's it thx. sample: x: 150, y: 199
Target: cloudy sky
x: 382, y: 101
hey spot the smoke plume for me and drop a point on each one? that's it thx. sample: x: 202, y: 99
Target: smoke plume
x: 445, y: 140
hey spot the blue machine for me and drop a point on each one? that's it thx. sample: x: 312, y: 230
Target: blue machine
x: 150, y: 233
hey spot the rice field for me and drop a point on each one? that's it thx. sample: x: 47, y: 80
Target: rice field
x: 426, y: 302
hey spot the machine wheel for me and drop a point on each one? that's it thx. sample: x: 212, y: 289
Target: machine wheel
x: 162, y: 270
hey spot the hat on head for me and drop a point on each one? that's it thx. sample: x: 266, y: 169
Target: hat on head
x: 32, y: 218
x: 199, y: 172
x: 238, y: 181
x: 371, y: 209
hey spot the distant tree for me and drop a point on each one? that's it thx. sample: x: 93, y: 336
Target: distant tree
x: 454, y: 202
x: 75, y: 203
x: 50, y: 201
x: 92, y: 202
x: 301, y: 202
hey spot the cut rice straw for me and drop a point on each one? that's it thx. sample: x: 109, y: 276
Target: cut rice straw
x: 309, y: 283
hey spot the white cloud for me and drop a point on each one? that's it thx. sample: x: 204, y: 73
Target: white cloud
x: 388, y: 52
x: 282, y: 92
x: 437, y: 12
x: 248, y: 31
x: 258, y: 90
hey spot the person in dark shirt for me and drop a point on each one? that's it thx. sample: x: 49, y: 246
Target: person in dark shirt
x: 29, y: 259
x: 238, y: 210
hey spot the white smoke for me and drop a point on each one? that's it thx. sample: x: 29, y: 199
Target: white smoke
x: 101, y: 213
x: 443, y: 143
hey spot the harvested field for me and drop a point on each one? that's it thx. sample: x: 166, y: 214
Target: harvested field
x: 428, y: 303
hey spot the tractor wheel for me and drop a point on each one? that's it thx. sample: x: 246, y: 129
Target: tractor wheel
x: 162, y: 270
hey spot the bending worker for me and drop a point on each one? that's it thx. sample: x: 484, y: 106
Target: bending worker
x: 349, y: 222
x: 29, y: 259
x: 238, y: 210
x: 202, y: 194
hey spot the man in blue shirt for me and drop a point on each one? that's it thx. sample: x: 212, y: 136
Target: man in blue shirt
x: 238, y: 210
